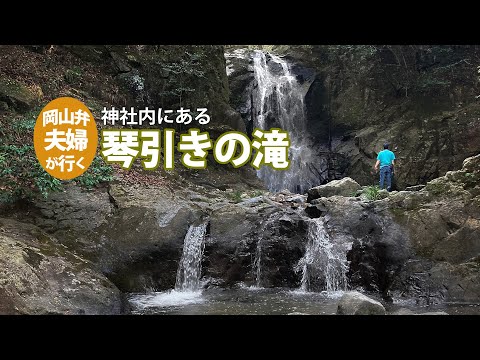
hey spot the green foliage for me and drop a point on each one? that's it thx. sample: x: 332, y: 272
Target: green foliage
x: 98, y: 172
x: 257, y: 193
x: 352, y: 52
x: 177, y: 72
x: 236, y: 196
x: 353, y: 194
x: 73, y: 74
x: 21, y: 175
x: 372, y: 192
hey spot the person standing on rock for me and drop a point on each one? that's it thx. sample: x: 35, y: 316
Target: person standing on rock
x: 385, y: 160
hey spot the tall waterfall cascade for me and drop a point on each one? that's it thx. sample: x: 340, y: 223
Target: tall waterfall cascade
x: 278, y: 101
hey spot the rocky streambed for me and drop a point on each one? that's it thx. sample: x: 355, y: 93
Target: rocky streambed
x: 82, y: 251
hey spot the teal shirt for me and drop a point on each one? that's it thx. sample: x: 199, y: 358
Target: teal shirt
x: 385, y: 157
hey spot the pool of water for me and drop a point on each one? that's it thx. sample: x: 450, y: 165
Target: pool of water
x: 259, y: 301
x: 246, y: 301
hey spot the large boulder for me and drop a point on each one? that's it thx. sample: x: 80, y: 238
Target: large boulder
x: 344, y: 187
x: 17, y: 95
x: 355, y: 303
x: 442, y: 224
x: 132, y: 234
x: 418, y: 244
x: 257, y: 241
x: 38, y: 275
x: 379, y: 246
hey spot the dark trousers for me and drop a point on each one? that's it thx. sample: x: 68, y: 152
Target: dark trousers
x: 386, y: 174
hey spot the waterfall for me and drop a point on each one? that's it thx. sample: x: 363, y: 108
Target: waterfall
x: 325, y: 261
x: 257, y: 264
x: 190, y: 266
x: 278, y: 102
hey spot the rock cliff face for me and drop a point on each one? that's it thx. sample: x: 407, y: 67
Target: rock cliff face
x: 422, y: 244
x: 132, y: 75
x: 412, y: 244
x: 132, y: 233
x: 421, y: 99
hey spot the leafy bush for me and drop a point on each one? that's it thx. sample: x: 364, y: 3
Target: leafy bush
x: 21, y: 175
x: 236, y: 196
x: 73, y: 75
x: 178, y: 75
x: 372, y: 192
x: 98, y: 172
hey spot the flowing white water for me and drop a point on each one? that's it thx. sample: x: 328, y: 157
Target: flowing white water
x: 325, y: 261
x: 190, y: 266
x: 257, y: 264
x: 278, y: 102
x: 166, y: 299
x: 187, y: 285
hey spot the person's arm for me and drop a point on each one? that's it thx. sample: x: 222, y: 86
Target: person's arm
x: 377, y: 164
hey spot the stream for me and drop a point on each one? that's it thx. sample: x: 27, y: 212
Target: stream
x: 260, y: 301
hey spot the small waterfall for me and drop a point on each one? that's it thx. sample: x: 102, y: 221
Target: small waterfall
x: 190, y: 266
x: 324, y: 262
x: 257, y: 264
x: 278, y: 102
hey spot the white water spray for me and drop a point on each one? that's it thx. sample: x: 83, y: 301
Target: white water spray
x: 190, y: 266
x: 278, y: 102
x: 324, y: 261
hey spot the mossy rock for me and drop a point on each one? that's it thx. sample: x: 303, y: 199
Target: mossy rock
x: 438, y: 187
x: 38, y: 275
x: 16, y: 95
x: 3, y: 106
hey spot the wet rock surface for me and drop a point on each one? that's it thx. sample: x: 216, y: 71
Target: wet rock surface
x: 38, y: 275
x: 355, y: 303
x: 421, y: 244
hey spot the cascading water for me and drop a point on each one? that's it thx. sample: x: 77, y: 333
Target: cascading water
x: 257, y: 264
x: 190, y: 266
x: 187, y: 285
x: 278, y: 102
x: 325, y: 261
